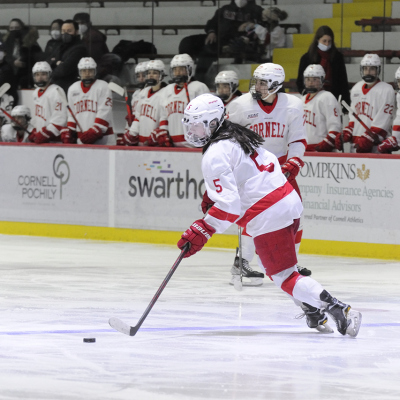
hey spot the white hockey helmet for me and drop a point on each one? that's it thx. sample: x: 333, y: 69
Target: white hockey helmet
x: 228, y: 77
x: 397, y: 79
x: 202, y: 117
x: 182, y: 60
x: 87, y: 63
x: 140, y: 74
x: 370, y: 60
x: 41, y: 66
x: 20, y: 111
x: 314, y: 71
x: 267, y: 79
x: 156, y: 65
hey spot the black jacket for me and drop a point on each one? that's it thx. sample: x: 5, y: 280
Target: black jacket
x: 340, y: 85
x: 66, y: 73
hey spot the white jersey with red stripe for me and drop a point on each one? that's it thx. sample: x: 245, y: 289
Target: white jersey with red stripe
x: 134, y: 100
x: 373, y: 106
x: 396, y: 122
x: 280, y: 124
x: 92, y: 106
x: 248, y: 190
x: 321, y: 116
x: 173, y: 106
x: 147, y: 115
x: 50, y: 111
x: 9, y: 134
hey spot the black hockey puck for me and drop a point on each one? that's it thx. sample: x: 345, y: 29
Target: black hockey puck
x: 89, y: 340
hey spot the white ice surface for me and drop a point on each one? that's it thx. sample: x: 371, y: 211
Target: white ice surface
x: 202, y: 340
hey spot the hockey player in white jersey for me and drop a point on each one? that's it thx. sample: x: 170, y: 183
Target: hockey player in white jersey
x: 148, y: 110
x: 321, y: 111
x: 278, y: 118
x: 140, y: 75
x: 50, y: 114
x: 20, y: 130
x: 226, y: 85
x: 248, y: 188
x: 176, y: 97
x: 90, y: 100
x: 373, y: 102
x: 392, y: 143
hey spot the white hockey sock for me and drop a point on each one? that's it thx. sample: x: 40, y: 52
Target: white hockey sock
x: 248, y: 248
x: 307, y: 290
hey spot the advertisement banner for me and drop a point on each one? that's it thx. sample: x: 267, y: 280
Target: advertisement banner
x: 351, y: 199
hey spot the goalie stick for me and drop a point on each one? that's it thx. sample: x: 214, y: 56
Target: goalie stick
x: 122, y: 327
x: 64, y: 99
x: 4, y: 88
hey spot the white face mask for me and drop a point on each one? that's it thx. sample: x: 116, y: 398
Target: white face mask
x: 82, y: 29
x: 323, y: 47
x: 55, y: 34
x: 241, y: 3
x: 1, y: 56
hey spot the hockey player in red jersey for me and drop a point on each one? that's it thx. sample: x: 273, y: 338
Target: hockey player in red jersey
x: 321, y: 111
x: 50, y: 114
x: 278, y: 118
x: 176, y: 96
x: 392, y: 143
x: 226, y: 85
x: 373, y: 102
x: 90, y: 100
x: 147, y: 116
x: 248, y: 188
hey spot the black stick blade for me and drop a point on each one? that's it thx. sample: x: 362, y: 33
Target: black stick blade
x: 122, y: 327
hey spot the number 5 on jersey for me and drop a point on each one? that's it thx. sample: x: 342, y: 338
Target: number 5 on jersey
x: 219, y: 187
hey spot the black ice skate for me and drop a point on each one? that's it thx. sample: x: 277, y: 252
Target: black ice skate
x: 315, y: 318
x: 253, y: 278
x: 303, y: 271
x: 347, y: 321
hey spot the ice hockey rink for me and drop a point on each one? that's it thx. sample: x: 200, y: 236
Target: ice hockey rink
x: 202, y: 340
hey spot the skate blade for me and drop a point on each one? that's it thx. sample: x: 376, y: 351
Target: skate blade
x: 324, y: 328
x: 251, y: 282
x: 355, y: 318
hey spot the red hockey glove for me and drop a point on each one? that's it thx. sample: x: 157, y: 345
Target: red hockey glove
x: 131, y: 140
x: 43, y: 136
x: 388, y: 145
x: 293, y: 167
x: 91, y: 135
x: 120, y: 139
x: 129, y: 119
x: 198, y: 235
x: 67, y: 136
x: 161, y: 136
x: 346, y: 136
x: 207, y: 203
x: 328, y: 144
x: 32, y: 135
x: 365, y: 142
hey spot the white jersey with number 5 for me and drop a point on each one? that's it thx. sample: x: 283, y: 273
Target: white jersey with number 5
x: 92, y: 106
x: 280, y: 124
x: 50, y: 111
x: 373, y: 106
x: 321, y: 116
x: 173, y: 106
x: 249, y: 190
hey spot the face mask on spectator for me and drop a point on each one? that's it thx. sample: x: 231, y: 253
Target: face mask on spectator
x: 55, y: 34
x: 83, y: 29
x: 66, y: 38
x: 241, y: 3
x: 1, y: 56
x: 323, y: 47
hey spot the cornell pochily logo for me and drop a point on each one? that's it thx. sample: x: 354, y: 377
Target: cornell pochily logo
x: 61, y: 171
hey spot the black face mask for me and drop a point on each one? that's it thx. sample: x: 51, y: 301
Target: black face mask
x: 66, y: 38
x: 311, y: 90
x: 180, y: 79
x: 151, y: 82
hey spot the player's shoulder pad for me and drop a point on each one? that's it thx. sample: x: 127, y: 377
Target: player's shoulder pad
x: 217, y: 158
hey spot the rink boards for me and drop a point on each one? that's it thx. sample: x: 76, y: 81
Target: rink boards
x: 112, y: 193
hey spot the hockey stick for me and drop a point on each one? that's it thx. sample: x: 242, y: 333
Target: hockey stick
x: 123, y: 93
x: 14, y: 120
x: 238, y: 279
x: 187, y: 92
x: 64, y: 99
x: 122, y: 327
x: 353, y: 113
x: 4, y: 88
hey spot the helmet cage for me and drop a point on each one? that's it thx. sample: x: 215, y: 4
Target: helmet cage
x: 261, y: 89
x: 370, y: 78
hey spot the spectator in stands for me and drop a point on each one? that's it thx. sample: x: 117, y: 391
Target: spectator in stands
x: 373, y: 103
x: 7, y: 76
x: 54, y: 44
x: 221, y: 30
x: 226, y: 85
x: 19, y: 129
x: 323, y: 51
x: 22, y: 51
x: 92, y: 38
x: 71, y: 51
x: 321, y: 112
